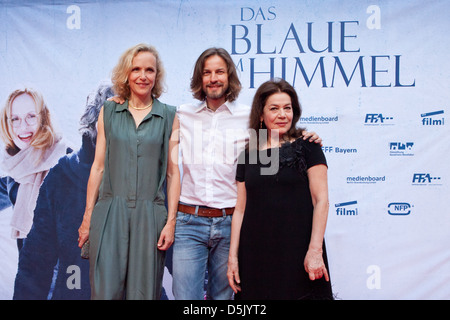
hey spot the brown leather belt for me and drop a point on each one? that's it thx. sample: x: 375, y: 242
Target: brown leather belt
x: 205, y: 212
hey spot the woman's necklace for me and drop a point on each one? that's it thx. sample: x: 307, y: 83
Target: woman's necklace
x: 142, y: 108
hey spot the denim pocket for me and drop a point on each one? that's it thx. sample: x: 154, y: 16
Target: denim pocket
x: 183, y: 218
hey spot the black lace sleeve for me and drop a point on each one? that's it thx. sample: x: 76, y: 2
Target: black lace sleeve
x: 301, y: 155
x: 314, y: 155
x: 293, y: 155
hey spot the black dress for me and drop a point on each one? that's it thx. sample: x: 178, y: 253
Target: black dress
x: 277, y: 224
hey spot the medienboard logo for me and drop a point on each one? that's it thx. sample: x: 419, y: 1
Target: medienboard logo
x: 319, y: 119
x: 399, y: 208
x: 401, y: 148
x: 426, y: 179
x: 378, y: 119
x: 347, y: 208
x: 366, y: 179
x: 433, y: 118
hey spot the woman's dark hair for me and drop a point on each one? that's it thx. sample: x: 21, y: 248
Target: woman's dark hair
x: 267, y: 89
x: 234, y: 85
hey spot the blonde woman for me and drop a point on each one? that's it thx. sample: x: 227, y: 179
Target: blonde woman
x: 126, y: 221
x: 32, y: 148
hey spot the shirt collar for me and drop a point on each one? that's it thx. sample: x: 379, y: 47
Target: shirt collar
x: 228, y: 105
x: 157, y: 108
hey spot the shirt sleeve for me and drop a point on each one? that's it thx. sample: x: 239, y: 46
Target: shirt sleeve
x: 240, y: 170
x: 314, y: 155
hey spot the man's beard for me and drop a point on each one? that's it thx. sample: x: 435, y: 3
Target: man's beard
x: 216, y: 94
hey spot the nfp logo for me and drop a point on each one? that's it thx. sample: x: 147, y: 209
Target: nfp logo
x: 346, y: 208
x: 376, y: 119
x: 433, y: 118
x: 425, y: 179
x: 399, y: 208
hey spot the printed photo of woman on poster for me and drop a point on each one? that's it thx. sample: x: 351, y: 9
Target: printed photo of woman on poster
x: 32, y: 147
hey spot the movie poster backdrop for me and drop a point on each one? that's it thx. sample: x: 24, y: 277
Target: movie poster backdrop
x: 373, y: 79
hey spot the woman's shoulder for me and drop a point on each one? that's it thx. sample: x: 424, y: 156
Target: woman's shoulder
x: 293, y: 154
x: 167, y: 108
x: 109, y: 104
x: 109, y: 107
x: 306, y: 145
x: 171, y: 109
x: 294, y: 148
x: 311, y: 152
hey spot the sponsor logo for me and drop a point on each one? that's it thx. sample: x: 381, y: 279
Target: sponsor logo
x: 401, y: 148
x: 433, y: 118
x: 319, y: 119
x: 339, y: 150
x: 366, y: 179
x: 426, y: 179
x: 377, y: 119
x: 399, y: 208
x: 346, y: 208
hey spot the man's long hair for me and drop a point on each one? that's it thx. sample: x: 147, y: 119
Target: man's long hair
x: 234, y: 85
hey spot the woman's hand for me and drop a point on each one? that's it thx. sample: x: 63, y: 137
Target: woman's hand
x: 233, y: 274
x: 315, y: 266
x: 83, y: 232
x: 117, y: 99
x: 312, y: 136
x: 167, y: 236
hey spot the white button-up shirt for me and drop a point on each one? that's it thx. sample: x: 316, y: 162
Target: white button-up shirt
x: 210, y: 143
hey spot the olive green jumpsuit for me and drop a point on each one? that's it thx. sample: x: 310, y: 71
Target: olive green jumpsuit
x: 130, y: 213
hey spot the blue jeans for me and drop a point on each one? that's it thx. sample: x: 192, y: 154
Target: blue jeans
x: 201, y: 244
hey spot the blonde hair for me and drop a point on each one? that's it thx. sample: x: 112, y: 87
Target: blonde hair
x: 45, y: 136
x: 122, y: 69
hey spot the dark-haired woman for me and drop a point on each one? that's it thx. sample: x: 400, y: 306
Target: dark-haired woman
x: 277, y: 248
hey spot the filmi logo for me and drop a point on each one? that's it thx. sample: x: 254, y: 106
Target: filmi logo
x: 346, y: 208
x: 433, y: 118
